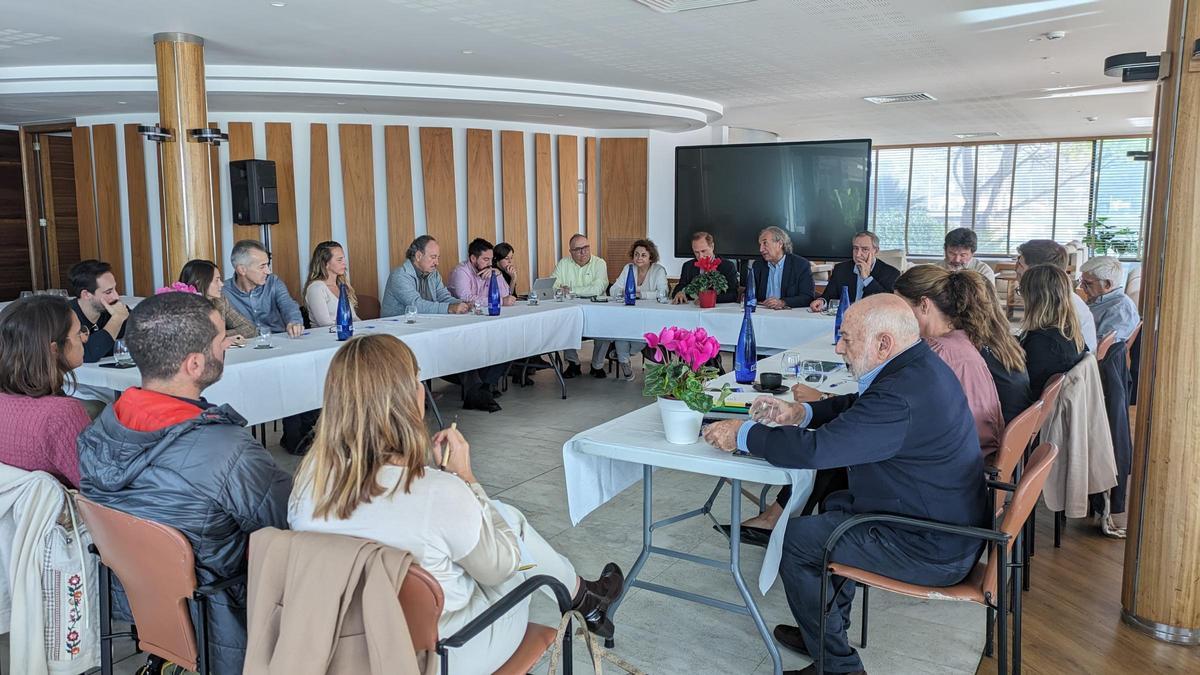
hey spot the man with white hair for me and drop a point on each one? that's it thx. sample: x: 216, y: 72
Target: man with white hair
x: 785, y: 280
x: 1104, y: 284
x: 909, y: 444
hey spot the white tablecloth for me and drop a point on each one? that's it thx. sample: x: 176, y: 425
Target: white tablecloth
x: 265, y: 385
x: 605, y: 460
x: 773, y: 329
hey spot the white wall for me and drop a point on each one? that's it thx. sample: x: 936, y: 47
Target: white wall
x: 660, y: 193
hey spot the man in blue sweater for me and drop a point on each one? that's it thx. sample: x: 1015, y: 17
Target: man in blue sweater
x: 908, y: 442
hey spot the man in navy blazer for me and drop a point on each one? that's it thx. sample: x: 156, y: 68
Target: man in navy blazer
x: 909, y: 444
x: 785, y: 280
x: 862, y: 275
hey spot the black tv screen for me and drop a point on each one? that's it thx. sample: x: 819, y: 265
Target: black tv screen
x: 815, y: 191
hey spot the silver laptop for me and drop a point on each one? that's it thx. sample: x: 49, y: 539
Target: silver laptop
x: 543, y: 288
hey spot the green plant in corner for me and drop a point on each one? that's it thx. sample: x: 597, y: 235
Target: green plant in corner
x: 1102, y: 238
x: 679, y: 370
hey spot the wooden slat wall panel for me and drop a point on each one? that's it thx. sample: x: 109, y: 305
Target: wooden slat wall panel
x: 108, y: 200
x: 401, y: 222
x: 441, y: 214
x: 85, y: 196
x: 320, y: 218
x: 214, y: 165
x: 16, y: 256
x: 544, y: 203
x: 284, y: 246
x: 622, y: 198
x: 139, y: 216
x: 512, y: 186
x: 591, y: 206
x: 47, y: 181
x: 241, y: 146
x: 568, y: 190
x: 65, y: 226
x: 358, y: 188
x: 481, y: 190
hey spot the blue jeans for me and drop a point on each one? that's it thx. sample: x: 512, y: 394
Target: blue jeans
x: 871, y: 547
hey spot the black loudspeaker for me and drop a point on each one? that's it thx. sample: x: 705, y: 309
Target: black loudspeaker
x: 252, y: 189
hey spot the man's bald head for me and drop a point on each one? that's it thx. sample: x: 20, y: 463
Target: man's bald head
x: 874, y: 330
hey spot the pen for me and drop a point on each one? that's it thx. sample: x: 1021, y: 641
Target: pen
x: 446, y: 452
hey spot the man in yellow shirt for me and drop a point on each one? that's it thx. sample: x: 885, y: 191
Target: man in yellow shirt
x: 582, y: 274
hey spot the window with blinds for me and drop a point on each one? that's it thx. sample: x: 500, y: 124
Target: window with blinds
x: 1009, y: 193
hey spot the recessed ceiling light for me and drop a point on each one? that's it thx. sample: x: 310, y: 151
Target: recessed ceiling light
x: 279, y: 4
x: 341, y: 103
x: 468, y: 51
x: 1141, y: 121
x: 977, y: 134
x: 120, y: 102
x: 1056, y: 72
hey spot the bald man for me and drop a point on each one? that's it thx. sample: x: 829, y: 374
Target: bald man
x: 908, y: 441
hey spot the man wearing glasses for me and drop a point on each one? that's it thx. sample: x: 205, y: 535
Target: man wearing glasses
x: 582, y: 274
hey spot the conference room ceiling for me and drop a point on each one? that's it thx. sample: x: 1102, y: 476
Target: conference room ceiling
x: 799, y: 68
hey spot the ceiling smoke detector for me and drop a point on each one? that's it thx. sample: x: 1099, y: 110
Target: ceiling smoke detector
x: 886, y: 99
x: 673, y: 6
x: 977, y: 134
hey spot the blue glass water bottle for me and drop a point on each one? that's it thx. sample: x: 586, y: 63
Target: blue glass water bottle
x: 745, y: 359
x: 494, y: 295
x: 345, y: 317
x: 841, y: 310
x: 751, y: 291
x: 630, y: 286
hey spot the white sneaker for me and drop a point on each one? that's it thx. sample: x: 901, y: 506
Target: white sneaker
x: 627, y: 372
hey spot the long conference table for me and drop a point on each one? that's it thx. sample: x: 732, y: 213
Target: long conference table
x: 269, y: 384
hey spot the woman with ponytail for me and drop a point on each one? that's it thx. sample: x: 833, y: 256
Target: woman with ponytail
x: 952, y: 310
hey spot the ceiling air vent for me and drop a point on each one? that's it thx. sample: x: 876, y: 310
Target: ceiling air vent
x: 673, y: 6
x: 977, y: 134
x: 899, y: 98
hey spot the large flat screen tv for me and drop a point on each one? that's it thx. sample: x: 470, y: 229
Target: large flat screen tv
x: 815, y: 191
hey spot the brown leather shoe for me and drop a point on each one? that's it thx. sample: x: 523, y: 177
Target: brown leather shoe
x: 792, y: 638
x: 594, y: 598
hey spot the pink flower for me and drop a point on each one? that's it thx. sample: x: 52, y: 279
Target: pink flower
x: 177, y: 287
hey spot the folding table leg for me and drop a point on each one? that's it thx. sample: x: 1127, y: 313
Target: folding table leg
x: 735, y: 567
x: 647, y: 541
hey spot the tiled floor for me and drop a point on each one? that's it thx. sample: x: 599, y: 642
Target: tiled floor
x: 517, y: 454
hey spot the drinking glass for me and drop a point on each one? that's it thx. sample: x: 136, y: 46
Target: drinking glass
x: 812, y: 368
x: 121, y: 353
x: 533, y: 298
x: 60, y: 292
x: 410, y: 314
x: 26, y: 294
x: 661, y: 297
x: 791, y: 363
x: 264, y: 338
x: 831, y: 307
x: 559, y: 295
x: 477, y: 308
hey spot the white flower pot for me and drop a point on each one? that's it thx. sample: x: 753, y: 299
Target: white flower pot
x: 681, y: 424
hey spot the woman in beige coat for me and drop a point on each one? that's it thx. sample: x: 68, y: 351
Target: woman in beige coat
x: 368, y: 475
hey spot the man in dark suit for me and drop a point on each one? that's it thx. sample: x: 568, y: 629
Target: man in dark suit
x: 785, y: 280
x: 909, y: 442
x: 703, y: 247
x: 862, y: 275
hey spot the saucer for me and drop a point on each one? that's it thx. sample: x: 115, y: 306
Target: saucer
x: 777, y: 390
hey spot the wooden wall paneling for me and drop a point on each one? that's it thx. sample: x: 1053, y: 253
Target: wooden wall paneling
x: 241, y: 146
x: 568, y: 190
x: 47, y: 183
x: 543, y: 185
x: 622, y: 198
x: 358, y: 189
x: 320, y: 218
x: 591, y: 205
x: 108, y: 200
x: 30, y: 175
x: 481, y: 189
x: 139, y: 216
x: 85, y: 195
x: 214, y: 165
x: 61, y: 189
x: 284, y: 245
x: 398, y: 166
x: 16, y: 274
x: 512, y: 193
x: 441, y: 214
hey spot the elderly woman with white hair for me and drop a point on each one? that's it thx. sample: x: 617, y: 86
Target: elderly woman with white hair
x: 1104, y: 285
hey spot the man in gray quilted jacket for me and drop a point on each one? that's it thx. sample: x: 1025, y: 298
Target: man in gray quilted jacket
x: 163, y: 453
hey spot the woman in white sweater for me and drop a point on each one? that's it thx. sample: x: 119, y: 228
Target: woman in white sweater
x: 651, y: 280
x: 326, y: 272
x: 368, y: 475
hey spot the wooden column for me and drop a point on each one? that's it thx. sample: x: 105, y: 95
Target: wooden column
x: 1160, y: 590
x: 189, y: 228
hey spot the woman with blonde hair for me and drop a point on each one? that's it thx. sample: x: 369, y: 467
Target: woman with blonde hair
x: 1050, y: 331
x: 326, y: 276
x: 952, y: 312
x: 369, y: 474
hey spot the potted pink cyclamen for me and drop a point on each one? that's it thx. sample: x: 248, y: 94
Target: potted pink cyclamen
x: 678, y: 378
